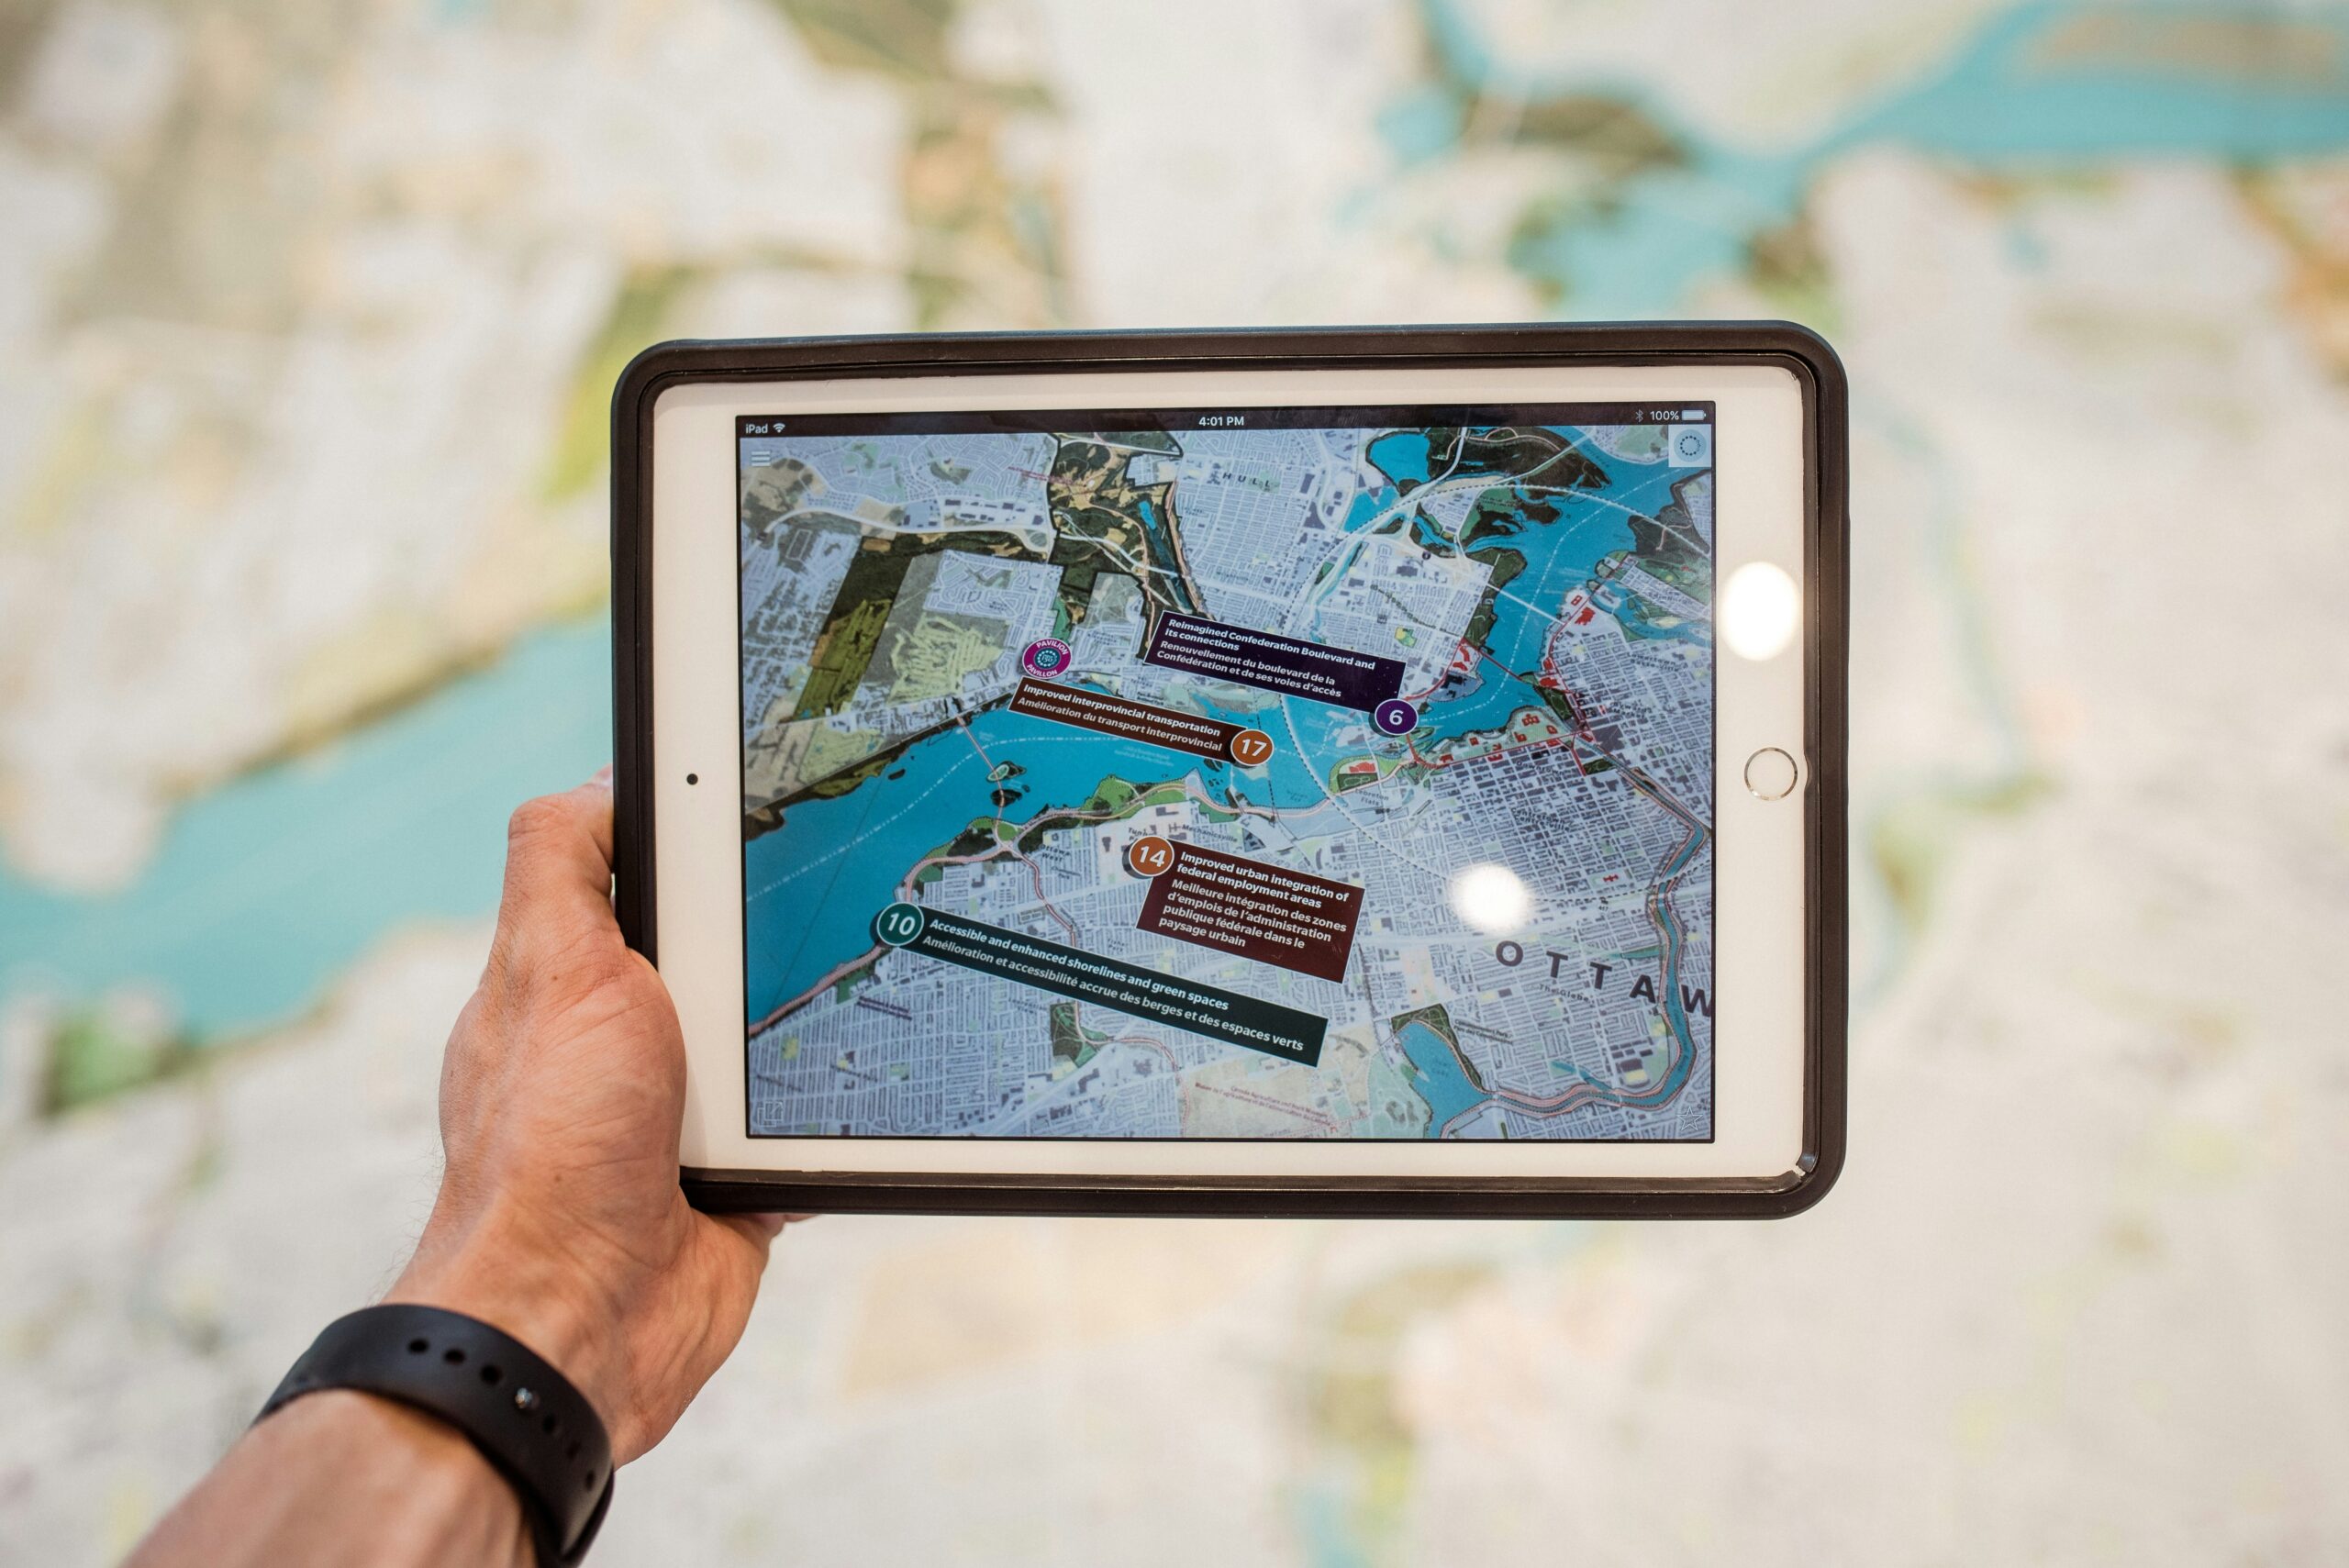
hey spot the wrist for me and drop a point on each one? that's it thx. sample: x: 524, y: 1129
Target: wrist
x: 502, y: 1272
x: 435, y: 1481
x: 347, y: 1477
x: 525, y: 1415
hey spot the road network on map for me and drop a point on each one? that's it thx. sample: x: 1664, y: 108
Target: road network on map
x: 1230, y: 782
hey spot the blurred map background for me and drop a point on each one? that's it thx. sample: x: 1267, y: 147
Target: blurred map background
x: 309, y: 313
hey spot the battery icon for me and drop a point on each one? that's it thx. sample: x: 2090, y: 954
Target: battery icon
x: 1692, y: 414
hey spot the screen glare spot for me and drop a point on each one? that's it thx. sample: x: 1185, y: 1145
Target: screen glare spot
x: 1490, y: 898
x: 1760, y: 610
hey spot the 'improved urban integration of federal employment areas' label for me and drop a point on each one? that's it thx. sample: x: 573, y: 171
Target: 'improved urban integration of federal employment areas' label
x: 1266, y: 912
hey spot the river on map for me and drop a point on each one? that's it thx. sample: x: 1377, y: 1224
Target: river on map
x: 813, y: 884
x: 2025, y: 92
x: 264, y: 888
x: 267, y: 887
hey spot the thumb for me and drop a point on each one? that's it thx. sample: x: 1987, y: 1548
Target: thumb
x: 558, y: 871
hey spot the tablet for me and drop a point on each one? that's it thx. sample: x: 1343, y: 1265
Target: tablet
x: 1343, y: 772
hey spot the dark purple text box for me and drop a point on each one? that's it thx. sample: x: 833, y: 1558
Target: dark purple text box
x: 1272, y: 662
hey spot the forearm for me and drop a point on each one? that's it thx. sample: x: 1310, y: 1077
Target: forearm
x: 560, y: 1228
x: 347, y: 1479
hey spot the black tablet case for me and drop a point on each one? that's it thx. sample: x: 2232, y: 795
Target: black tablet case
x: 1694, y: 344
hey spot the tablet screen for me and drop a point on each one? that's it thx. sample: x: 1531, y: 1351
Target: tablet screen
x: 1337, y: 773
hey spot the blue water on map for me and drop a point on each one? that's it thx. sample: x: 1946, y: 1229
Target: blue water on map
x: 1162, y: 543
x: 1401, y: 455
x: 1439, y: 1079
x: 1366, y: 506
x: 1561, y: 555
x: 1307, y: 740
x: 1486, y: 703
x: 814, y: 884
x: 267, y: 887
x: 2047, y: 80
x: 2037, y: 86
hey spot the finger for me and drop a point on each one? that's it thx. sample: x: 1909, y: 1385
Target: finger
x: 558, y: 870
x: 759, y: 1230
x: 597, y: 793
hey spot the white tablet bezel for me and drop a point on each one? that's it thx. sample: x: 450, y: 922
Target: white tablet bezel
x: 1760, y: 463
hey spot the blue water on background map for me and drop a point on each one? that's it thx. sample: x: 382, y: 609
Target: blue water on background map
x: 2013, y: 96
x: 267, y: 887
x: 2018, y: 93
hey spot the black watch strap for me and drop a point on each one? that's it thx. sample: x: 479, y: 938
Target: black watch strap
x: 525, y: 1417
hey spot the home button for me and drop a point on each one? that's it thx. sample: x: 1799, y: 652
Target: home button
x: 1771, y: 774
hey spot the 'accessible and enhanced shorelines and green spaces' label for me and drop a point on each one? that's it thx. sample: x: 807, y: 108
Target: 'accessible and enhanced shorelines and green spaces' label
x: 1087, y: 977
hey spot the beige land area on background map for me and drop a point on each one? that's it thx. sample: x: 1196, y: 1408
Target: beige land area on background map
x: 2073, y: 1300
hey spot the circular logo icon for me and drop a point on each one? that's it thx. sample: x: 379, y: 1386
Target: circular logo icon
x: 1047, y: 657
x: 899, y: 924
x: 1251, y: 747
x: 1149, y: 856
x: 1692, y: 445
x: 1395, y: 716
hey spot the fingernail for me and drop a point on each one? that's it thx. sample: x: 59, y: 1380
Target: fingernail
x: 601, y: 778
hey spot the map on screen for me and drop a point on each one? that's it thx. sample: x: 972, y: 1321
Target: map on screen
x: 1333, y: 772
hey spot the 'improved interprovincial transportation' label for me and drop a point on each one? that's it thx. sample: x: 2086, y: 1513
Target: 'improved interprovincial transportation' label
x: 1177, y: 732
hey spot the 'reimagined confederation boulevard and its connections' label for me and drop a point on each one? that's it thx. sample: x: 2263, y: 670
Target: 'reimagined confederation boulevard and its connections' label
x: 1335, y: 772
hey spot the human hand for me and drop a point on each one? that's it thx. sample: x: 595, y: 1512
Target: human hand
x: 560, y: 1218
